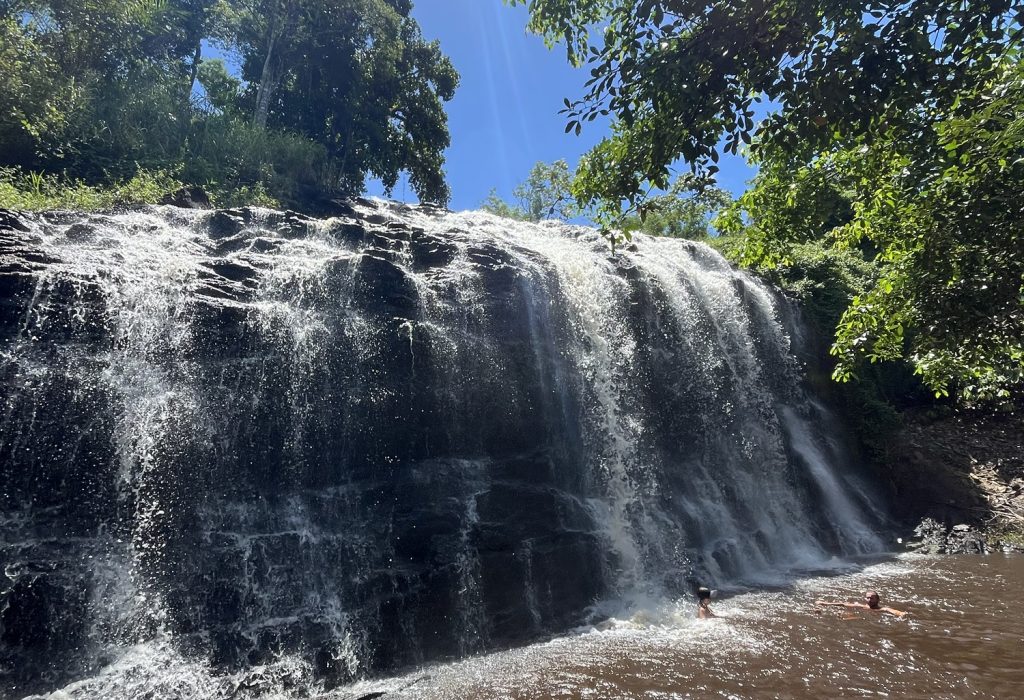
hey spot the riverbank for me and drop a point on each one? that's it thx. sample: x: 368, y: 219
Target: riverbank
x: 962, y: 474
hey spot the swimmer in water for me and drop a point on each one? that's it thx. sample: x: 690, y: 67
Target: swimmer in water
x: 871, y: 602
x: 703, y: 600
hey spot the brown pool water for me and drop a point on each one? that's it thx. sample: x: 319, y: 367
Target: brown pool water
x: 964, y: 638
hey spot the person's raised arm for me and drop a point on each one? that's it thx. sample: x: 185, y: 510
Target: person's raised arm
x: 840, y: 603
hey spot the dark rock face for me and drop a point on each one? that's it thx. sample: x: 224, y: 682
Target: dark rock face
x: 962, y: 468
x: 10, y: 221
x: 380, y: 439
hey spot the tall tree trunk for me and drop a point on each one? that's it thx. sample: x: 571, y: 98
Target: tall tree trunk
x: 268, y: 80
x: 282, y: 25
x: 267, y: 84
x: 197, y: 58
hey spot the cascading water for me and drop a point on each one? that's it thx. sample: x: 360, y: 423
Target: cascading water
x: 245, y: 450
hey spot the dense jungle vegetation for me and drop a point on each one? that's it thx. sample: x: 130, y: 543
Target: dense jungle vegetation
x: 104, y: 101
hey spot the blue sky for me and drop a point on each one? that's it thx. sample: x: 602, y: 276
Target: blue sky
x: 504, y: 117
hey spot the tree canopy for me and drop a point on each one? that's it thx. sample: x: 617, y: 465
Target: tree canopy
x: 330, y: 92
x: 681, y: 76
x: 944, y: 226
x: 545, y: 194
x: 549, y: 192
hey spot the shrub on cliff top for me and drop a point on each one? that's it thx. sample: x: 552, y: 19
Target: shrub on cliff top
x: 36, y: 191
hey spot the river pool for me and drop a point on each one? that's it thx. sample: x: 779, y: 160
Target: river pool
x: 964, y: 638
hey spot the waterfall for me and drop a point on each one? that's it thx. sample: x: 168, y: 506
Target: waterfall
x: 255, y: 446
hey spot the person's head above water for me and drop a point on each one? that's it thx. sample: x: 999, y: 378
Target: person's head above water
x: 703, y: 603
x: 871, y: 598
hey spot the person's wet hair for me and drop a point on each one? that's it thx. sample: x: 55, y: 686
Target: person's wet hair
x: 703, y: 593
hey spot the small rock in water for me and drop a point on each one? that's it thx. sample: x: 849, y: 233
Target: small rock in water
x: 931, y: 536
x: 965, y: 540
x: 934, y: 538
